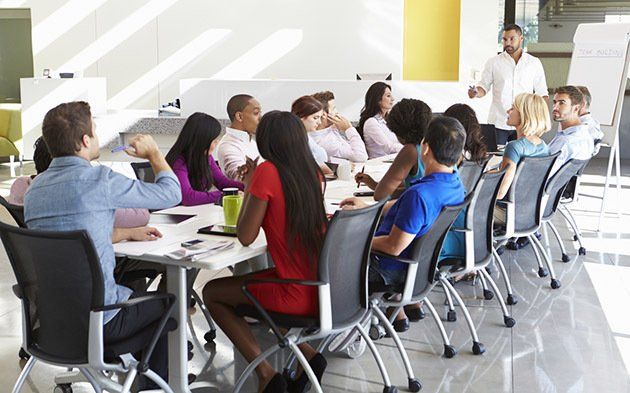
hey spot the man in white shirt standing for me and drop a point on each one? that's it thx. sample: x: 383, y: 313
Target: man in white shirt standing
x: 508, y: 74
x: 335, y: 133
x: 238, y: 143
x: 573, y: 140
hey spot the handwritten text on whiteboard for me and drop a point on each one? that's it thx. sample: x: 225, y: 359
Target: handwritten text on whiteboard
x: 600, y: 52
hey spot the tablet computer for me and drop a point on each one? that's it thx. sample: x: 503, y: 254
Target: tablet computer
x: 169, y: 219
x: 217, y: 229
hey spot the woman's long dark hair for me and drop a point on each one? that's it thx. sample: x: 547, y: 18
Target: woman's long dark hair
x: 474, y: 139
x: 192, y: 145
x: 281, y: 139
x: 372, y: 106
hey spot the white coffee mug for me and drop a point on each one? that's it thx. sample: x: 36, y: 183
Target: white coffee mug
x: 344, y: 171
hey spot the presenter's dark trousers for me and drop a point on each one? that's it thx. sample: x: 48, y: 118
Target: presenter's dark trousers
x: 504, y: 136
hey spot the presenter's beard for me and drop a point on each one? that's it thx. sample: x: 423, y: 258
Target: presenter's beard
x: 509, y: 49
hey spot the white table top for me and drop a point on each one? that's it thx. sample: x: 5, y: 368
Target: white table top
x: 174, y: 235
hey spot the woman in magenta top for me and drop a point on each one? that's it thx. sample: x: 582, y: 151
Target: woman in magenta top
x: 199, y: 175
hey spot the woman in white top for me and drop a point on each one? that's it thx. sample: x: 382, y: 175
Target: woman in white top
x: 379, y: 140
x: 310, y: 111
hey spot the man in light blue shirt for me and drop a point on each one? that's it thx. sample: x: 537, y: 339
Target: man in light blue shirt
x: 74, y: 195
x: 573, y: 140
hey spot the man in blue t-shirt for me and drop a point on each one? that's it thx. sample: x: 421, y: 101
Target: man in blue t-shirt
x: 412, y: 215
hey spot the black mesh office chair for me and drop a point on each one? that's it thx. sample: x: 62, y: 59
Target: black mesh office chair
x: 342, y: 287
x: 524, y: 206
x: 478, y: 240
x: 420, y: 279
x: 555, y: 191
x: 569, y: 196
x: 470, y: 172
x: 16, y: 211
x: 143, y: 171
x: 61, y: 288
x: 489, y: 137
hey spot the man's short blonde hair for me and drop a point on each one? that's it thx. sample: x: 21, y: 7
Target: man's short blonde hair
x: 534, y: 113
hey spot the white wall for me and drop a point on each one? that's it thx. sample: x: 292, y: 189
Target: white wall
x: 144, y: 47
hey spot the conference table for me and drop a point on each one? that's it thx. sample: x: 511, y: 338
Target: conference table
x: 204, y: 215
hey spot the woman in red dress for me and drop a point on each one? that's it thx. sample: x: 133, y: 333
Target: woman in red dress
x: 283, y: 196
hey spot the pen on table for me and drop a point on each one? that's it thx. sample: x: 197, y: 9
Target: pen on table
x: 120, y: 148
x: 358, y: 181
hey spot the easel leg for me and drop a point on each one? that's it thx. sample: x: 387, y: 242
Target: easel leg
x: 602, y: 209
x: 618, y: 173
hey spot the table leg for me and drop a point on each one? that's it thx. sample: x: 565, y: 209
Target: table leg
x: 177, y: 339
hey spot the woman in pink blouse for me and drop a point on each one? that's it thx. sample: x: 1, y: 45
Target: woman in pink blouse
x: 199, y: 175
x: 124, y: 218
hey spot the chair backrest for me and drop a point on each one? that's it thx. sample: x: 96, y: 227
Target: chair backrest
x: 16, y: 211
x: 480, y: 214
x: 489, y: 137
x: 426, y: 248
x: 60, y: 282
x: 470, y: 172
x: 558, y: 183
x: 344, y: 261
x: 528, y: 189
x: 143, y: 171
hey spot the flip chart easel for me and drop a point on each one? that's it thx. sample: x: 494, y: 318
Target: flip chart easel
x: 600, y: 61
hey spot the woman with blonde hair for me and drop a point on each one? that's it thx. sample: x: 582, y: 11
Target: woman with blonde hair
x: 529, y: 114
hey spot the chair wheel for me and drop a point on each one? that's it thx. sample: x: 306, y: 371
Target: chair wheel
x: 555, y: 284
x: 451, y: 316
x: 509, y: 321
x: 511, y: 300
x: 288, y: 374
x: 414, y: 385
x: 190, y: 346
x: 565, y: 258
x: 63, y: 388
x: 356, y: 349
x: 449, y: 351
x: 478, y: 348
x: 190, y: 355
x: 489, y: 270
x: 390, y: 389
x: 542, y: 272
x: 575, y: 238
x: 191, y: 378
x: 488, y: 294
x: 500, y: 250
x: 376, y: 332
x: 23, y: 354
x: 210, y: 335
x: 582, y: 251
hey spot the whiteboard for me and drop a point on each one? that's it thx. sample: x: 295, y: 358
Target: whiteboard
x: 600, y: 62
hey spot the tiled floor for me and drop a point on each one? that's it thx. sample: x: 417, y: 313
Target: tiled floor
x: 573, y: 339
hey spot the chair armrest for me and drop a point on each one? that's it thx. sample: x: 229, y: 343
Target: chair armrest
x: 395, y: 257
x: 282, y: 341
x: 143, y: 364
x: 137, y: 300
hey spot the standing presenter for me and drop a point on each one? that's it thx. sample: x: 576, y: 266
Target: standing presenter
x: 509, y: 74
